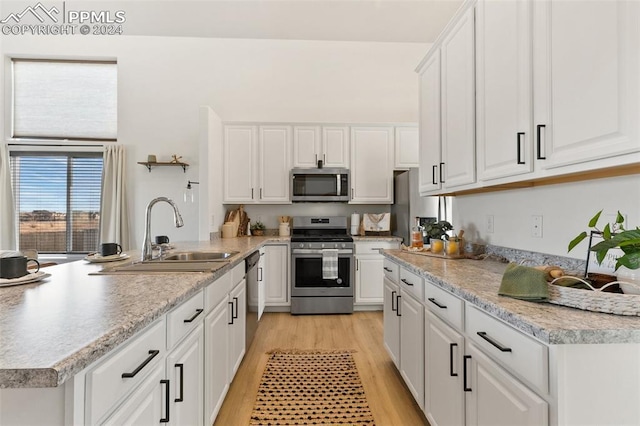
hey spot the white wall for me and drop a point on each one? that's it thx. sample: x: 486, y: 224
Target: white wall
x: 566, y: 210
x: 162, y: 83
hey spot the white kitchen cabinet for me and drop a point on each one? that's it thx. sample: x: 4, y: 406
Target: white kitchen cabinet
x: 238, y: 323
x: 147, y: 405
x: 457, y: 166
x: 274, y: 164
x: 372, y: 165
x: 327, y: 143
x: 262, y: 285
x: 444, y: 400
x: 430, y: 123
x: 369, y: 271
x: 185, y: 372
x: 504, y: 93
x: 216, y: 366
x: 493, y: 397
x: 276, y: 275
x: 411, y: 314
x: 240, y: 165
x: 257, y: 162
x: 406, y: 147
x: 391, y: 320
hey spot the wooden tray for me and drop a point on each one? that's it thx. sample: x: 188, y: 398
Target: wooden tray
x: 428, y: 253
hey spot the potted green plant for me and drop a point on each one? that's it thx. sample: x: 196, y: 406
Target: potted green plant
x: 257, y: 228
x: 437, y: 232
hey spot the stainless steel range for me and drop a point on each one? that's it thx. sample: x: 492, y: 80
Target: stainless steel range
x: 322, y: 266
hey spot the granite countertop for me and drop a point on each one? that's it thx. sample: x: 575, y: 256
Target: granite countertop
x: 477, y: 282
x: 52, y: 329
x: 357, y: 238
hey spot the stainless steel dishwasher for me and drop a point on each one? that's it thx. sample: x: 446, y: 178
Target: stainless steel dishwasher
x: 251, y: 268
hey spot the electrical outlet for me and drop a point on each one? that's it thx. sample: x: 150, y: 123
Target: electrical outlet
x: 536, y: 226
x: 489, y: 224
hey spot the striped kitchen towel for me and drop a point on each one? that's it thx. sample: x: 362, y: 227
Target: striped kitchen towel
x: 329, y: 264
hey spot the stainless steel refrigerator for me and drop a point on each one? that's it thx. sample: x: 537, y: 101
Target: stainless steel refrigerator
x: 409, y: 205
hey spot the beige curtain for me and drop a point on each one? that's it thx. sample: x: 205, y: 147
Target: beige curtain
x: 114, y: 216
x: 7, y: 207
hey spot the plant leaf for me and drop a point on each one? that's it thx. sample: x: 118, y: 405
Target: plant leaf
x: 600, y: 255
x: 619, y: 218
x: 594, y: 220
x: 630, y: 260
x: 606, y: 232
x: 577, y: 240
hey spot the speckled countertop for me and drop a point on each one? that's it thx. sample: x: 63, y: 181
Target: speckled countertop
x: 477, y: 282
x: 52, y: 329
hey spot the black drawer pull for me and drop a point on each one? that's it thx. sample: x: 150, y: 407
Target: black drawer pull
x: 435, y: 302
x: 235, y: 301
x: 518, y: 148
x: 152, y: 354
x: 464, y: 372
x: 406, y: 282
x: 398, y: 305
x: 232, y: 316
x: 198, y: 312
x: 483, y: 334
x: 181, y: 397
x: 393, y: 297
x: 539, y: 155
x: 387, y: 269
x: 167, y: 402
x: 451, y: 346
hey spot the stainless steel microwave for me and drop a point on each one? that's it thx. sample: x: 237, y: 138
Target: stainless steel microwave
x: 320, y: 185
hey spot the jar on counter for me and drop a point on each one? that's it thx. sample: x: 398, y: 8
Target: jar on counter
x: 416, y: 237
x: 284, y: 230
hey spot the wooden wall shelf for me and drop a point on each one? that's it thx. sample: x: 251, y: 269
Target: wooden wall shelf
x: 151, y: 165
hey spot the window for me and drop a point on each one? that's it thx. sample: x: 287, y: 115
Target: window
x: 57, y: 198
x: 70, y: 100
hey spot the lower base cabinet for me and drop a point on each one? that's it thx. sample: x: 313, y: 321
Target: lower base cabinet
x: 185, y: 373
x: 412, y: 345
x: 216, y: 365
x: 391, y: 320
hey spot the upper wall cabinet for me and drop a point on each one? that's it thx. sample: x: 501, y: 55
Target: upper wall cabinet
x: 503, y: 80
x: 586, y: 76
x: 430, y: 146
x: 406, y: 147
x: 328, y: 143
x: 257, y: 161
x: 372, y: 165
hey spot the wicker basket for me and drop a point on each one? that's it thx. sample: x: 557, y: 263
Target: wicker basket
x: 597, y: 301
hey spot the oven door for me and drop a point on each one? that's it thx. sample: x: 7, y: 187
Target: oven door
x: 306, y: 274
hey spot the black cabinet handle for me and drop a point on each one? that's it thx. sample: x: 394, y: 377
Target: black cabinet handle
x: 464, y: 372
x: 398, y: 305
x: 387, y: 269
x: 198, y: 312
x: 518, y: 144
x: 235, y: 301
x: 493, y: 342
x: 260, y: 274
x: 252, y: 193
x: 166, y: 402
x: 435, y: 302
x: 261, y: 193
x: 393, y: 296
x: 406, y: 282
x: 433, y: 174
x: 232, y: 316
x: 152, y: 354
x: 181, y: 398
x: 539, y: 128
x: 451, y: 346
x: 441, y: 171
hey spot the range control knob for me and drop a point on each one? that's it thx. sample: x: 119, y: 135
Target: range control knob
x: 301, y: 245
x: 343, y: 245
x: 322, y: 245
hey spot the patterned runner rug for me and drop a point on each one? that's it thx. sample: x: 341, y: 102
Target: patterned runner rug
x: 311, y: 387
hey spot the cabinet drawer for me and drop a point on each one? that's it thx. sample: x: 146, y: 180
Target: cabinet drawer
x: 513, y: 350
x: 184, y: 318
x: 444, y: 304
x: 215, y: 292
x: 412, y: 283
x: 373, y: 247
x: 391, y: 271
x: 135, y: 359
x: 237, y: 273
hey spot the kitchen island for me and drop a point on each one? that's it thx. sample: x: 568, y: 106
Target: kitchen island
x: 470, y: 356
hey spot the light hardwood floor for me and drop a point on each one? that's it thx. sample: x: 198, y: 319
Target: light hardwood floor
x: 389, y: 399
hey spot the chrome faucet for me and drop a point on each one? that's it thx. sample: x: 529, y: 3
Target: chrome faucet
x: 147, y: 249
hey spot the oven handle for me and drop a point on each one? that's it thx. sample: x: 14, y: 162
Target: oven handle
x: 319, y: 251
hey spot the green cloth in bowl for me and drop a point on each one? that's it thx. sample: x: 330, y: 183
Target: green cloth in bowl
x: 525, y: 283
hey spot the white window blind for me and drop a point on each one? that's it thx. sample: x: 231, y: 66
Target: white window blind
x: 57, y: 200
x: 64, y: 100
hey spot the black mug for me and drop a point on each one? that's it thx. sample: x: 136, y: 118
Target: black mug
x: 162, y: 239
x: 15, y: 266
x: 109, y: 249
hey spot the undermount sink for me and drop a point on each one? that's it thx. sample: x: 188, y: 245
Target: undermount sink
x: 198, y: 256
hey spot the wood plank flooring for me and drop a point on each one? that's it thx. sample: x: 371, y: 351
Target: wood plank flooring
x: 389, y: 399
